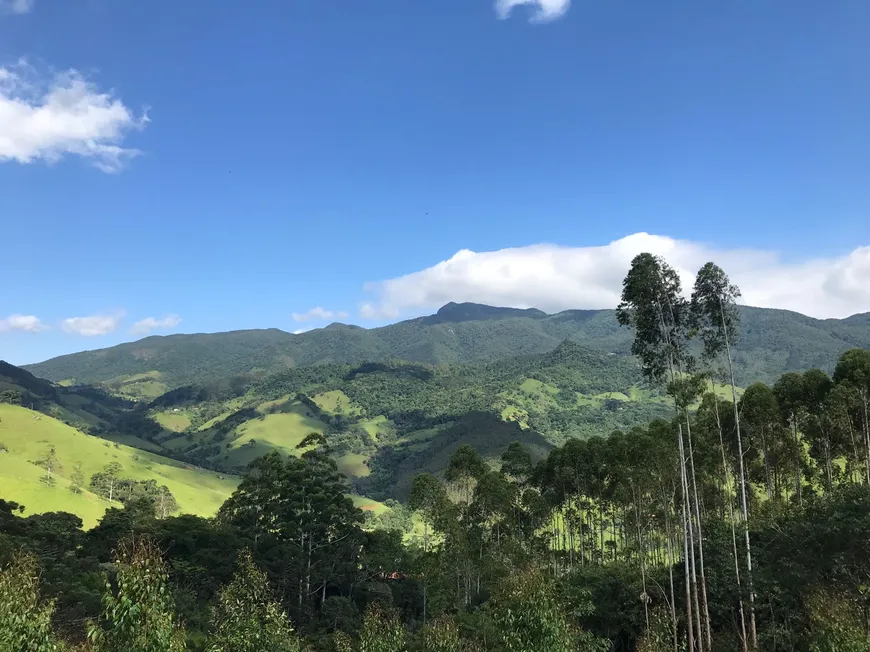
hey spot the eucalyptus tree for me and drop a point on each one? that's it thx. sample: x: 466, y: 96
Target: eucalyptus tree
x: 652, y: 304
x: 853, y: 370
x: 246, y: 618
x: 789, y: 392
x: 139, y: 614
x: 300, y: 521
x: 516, y: 462
x: 25, y: 619
x: 465, y: 468
x: 382, y: 631
x: 715, y: 318
x: 665, y: 474
x: 817, y: 387
x: 429, y: 499
x: 844, y: 411
x: 710, y: 418
x: 760, y: 414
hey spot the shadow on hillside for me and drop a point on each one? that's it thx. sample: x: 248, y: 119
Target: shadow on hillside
x: 395, y: 467
x: 412, y: 371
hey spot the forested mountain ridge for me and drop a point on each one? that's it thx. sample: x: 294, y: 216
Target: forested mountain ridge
x: 772, y: 342
x: 387, y: 421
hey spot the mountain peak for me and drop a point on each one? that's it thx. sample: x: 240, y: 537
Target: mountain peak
x: 458, y: 312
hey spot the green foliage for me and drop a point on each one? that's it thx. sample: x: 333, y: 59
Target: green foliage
x: 516, y: 461
x: 442, y: 635
x: 246, y: 618
x: 714, y: 315
x: 50, y: 463
x: 529, y: 617
x: 382, y: 631
x: 659, y: 637
x: 139, y: 614
x: 105, y: 483
x: 297, y: 509
x: 837, y: 624
x: 77, y: 479
x: 11, y: 396
x: 652, y: 304
x: 25, y: 622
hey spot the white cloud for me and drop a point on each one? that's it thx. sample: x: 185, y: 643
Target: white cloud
x: 555, y: 278
x: 92, y: 325
x: 545, y: 10
x: 299, y: 331
x: 15, y: 6
x: 149, y: 324
x: 67, y: 115
x: 320, y: 314
x: 28, y: 323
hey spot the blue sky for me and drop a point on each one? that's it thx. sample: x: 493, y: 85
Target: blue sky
x: 204, y: 166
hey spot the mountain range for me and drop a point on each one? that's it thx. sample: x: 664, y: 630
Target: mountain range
x: 771, y: 342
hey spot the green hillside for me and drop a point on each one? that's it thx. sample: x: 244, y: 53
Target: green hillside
x: 27, y: 436
x: 386, y: 421
x: 774, y: 341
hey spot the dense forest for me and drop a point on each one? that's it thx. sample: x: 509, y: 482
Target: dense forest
x: 727, y: 521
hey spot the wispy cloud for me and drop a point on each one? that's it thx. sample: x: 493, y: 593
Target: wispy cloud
x: 44, y: 120
x: 15, y: 6
x: 93, y: 325
x: 320, y: 314
x: 150, y: 324
x: 555, y: 278
x: 29, y: 323
x: 544, y: 10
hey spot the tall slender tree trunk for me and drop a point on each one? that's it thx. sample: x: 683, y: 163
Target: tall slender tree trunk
x: 425, y: 557
x: 797, y: 461
x: 866, y: 426
x: 855, y: 453
x: 687, y: 533
x: 601, y: 528
x: 752, y: 628
x: 707, y: 633
x: 670, y: 550
x: 642, y: 557
x: 308, y: 570
x: 829, y: 471
x: 727, y: 478
x: 679, y: 370
x: 766, y: 464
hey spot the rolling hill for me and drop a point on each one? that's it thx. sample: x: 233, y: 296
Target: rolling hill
x: 772, y: 342
x: 27, y: 435
x: 37, y: 417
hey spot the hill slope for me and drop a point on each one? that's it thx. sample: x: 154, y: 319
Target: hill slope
x: 87, y: 408
x: 26, y: 437
x: 772, y: 342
